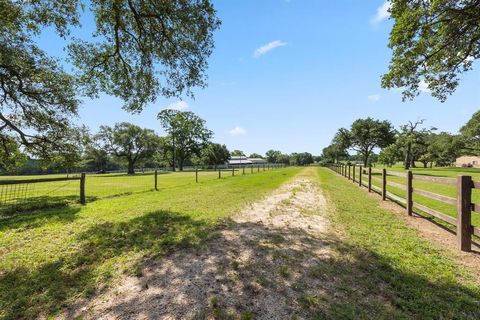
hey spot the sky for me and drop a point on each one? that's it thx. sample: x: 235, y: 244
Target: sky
x: 287, y: 74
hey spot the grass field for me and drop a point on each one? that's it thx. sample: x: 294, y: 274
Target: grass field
x: 28, y: 196
x: 384, y: 270
x: 51, y: 257
x: 438, y: 188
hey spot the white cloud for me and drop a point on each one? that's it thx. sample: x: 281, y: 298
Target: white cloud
x: 268, y: 47
x: 237, y: 131
x: 373, y: 97
x: 179, y: 105
x: 423, y: 86
x: 382, y: 13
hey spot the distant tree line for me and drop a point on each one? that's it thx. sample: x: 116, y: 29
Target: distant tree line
x: 124, y: 145
x: 410, y: 143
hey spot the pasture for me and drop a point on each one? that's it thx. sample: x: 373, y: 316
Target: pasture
x: 51, y: 257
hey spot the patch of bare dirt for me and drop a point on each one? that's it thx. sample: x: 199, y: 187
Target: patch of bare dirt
x: 258, y: 265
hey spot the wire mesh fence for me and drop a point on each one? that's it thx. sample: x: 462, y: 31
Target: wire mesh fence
x: 20, y: 195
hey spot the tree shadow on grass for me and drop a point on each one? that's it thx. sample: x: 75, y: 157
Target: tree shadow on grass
x: 38, y: 216
x: 30, y: 291
x: 247, y: 269
x: 267, y: 273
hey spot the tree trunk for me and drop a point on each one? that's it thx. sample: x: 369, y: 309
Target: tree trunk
x: 180, y: 164
x: 406, y: 162
x: 131, y: 169
x: 365, y: 159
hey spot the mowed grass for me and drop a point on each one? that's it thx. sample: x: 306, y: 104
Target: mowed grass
x: 438, y: 188
x: 51, y: 258
x: 384, y: 269
x: 28, y: 196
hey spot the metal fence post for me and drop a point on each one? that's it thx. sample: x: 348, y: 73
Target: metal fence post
x: 82, y: 189
x: 464, y: 213
x: 196, y: 174
x: 156, y: 180
x: 243, y: 172
x: 219, y: 173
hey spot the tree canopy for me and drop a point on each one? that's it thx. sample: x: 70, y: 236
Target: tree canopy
x: 365, y: 135
x: 128, y: 141
x: 215, y: 154
x: 471, y: 133
x: 139, y: 51
x: 187, y: 131
x: 433, y: 43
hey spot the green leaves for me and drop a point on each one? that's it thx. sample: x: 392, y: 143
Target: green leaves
x: 141, y: 49
x: 433, y: 43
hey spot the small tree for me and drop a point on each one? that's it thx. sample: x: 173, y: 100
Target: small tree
x: 238, y: 153
x: 215, y: 154
x: 187, y: 132
x: 256, y: 155
x: 367, y: 134
x: 273, y: 156
x: 390, y: 155
x: 128, y: 141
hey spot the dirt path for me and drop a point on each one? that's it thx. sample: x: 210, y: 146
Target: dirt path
x: 256, y: 267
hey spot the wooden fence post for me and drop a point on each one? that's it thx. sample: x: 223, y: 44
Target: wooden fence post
x: 354, y: 166
x: 410, y: 192
x: 196, y: 174
x: 251, y: 169
x: 156, y: 180
x: 258, y: 168
x: 349, y: 167
x: 219, y: 173
x: 384, y: 184
x: 243, y: 172
x: 82, y: 189
x: 464, y: 213
x: 233, y: 171
x: 369, y: 179
x: 360, y: 176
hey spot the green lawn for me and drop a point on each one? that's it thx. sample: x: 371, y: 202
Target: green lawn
x: 384, y: 269
x: 28, y: 196
x: 51, y: 257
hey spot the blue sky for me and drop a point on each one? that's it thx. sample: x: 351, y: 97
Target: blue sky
x: 286, y: 74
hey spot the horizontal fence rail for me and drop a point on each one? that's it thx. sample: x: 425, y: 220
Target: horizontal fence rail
x: 462, y: 222
x: 21, y: 195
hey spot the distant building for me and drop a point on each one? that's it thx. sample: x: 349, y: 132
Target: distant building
x: 243, y: 161
x: 468, y: 161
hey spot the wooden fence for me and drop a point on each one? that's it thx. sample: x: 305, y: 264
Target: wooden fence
x: 463, y: 200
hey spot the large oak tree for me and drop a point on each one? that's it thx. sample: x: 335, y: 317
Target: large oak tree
x: 140, y: 49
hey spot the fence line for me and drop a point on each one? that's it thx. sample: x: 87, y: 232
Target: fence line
x: 29, y: 194
x: 463, y: 200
